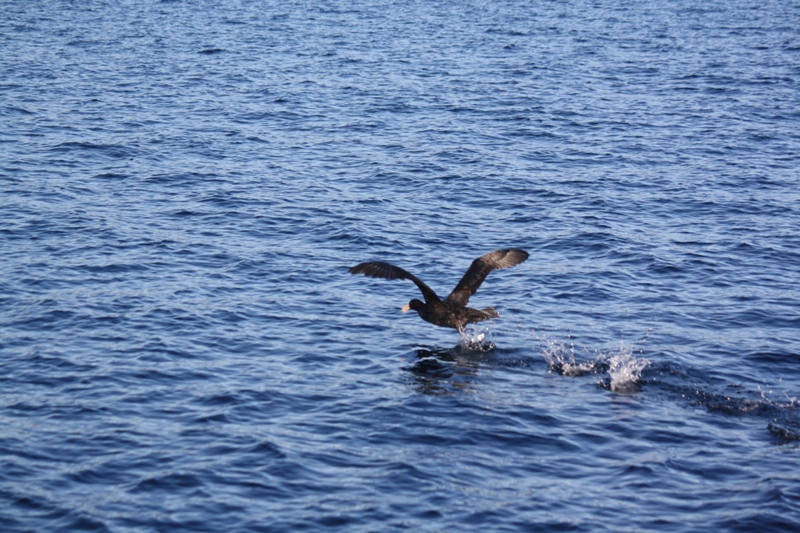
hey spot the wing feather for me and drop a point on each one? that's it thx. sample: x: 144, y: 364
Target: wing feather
x: 378, y: 269
x: 480, y: 268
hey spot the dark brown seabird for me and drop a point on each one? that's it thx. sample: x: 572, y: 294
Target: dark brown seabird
x: 452, y: 312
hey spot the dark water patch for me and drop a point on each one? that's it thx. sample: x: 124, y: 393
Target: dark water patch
x: 786, y: 433
x: 13, y: 110
x: 112, y: 176
x: 92, y: 149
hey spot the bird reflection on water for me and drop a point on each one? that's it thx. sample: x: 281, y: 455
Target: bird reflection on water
x: 440, y: 371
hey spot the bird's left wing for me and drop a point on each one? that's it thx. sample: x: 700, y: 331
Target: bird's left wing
x: 378, y: 269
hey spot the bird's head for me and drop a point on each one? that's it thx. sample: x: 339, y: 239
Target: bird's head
x: 414, y: 304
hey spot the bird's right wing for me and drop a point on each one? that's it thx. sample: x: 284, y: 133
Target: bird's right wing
x: 480, y: 268
x: 378, y: 269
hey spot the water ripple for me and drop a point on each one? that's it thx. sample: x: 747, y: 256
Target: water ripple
x: 184, y: 186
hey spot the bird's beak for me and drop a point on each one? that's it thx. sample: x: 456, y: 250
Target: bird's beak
x: 406, y: 308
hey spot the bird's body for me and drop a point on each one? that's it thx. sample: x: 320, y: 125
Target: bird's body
x: 452, y: 315
x: 452, y: 312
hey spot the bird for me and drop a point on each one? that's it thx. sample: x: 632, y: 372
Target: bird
x: 452, y: 312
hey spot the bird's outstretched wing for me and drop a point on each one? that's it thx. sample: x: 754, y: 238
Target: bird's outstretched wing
x: 480, y: 268
x: 378, y: 269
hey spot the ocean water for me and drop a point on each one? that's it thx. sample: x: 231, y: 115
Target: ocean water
x: 184, y: 185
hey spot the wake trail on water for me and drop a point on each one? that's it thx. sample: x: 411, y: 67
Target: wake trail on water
x: 625, y: 370
x: 720, y: 396
x: 622, y: 369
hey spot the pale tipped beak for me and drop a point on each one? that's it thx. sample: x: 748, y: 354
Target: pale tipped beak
x: 406, y: 308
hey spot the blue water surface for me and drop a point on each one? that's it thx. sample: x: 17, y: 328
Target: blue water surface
x: 184, y: 185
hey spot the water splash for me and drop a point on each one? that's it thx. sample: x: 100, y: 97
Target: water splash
x: 560, y: 359
x: 473, y: 340
x: 625, y: 371
x: 623, y: 368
